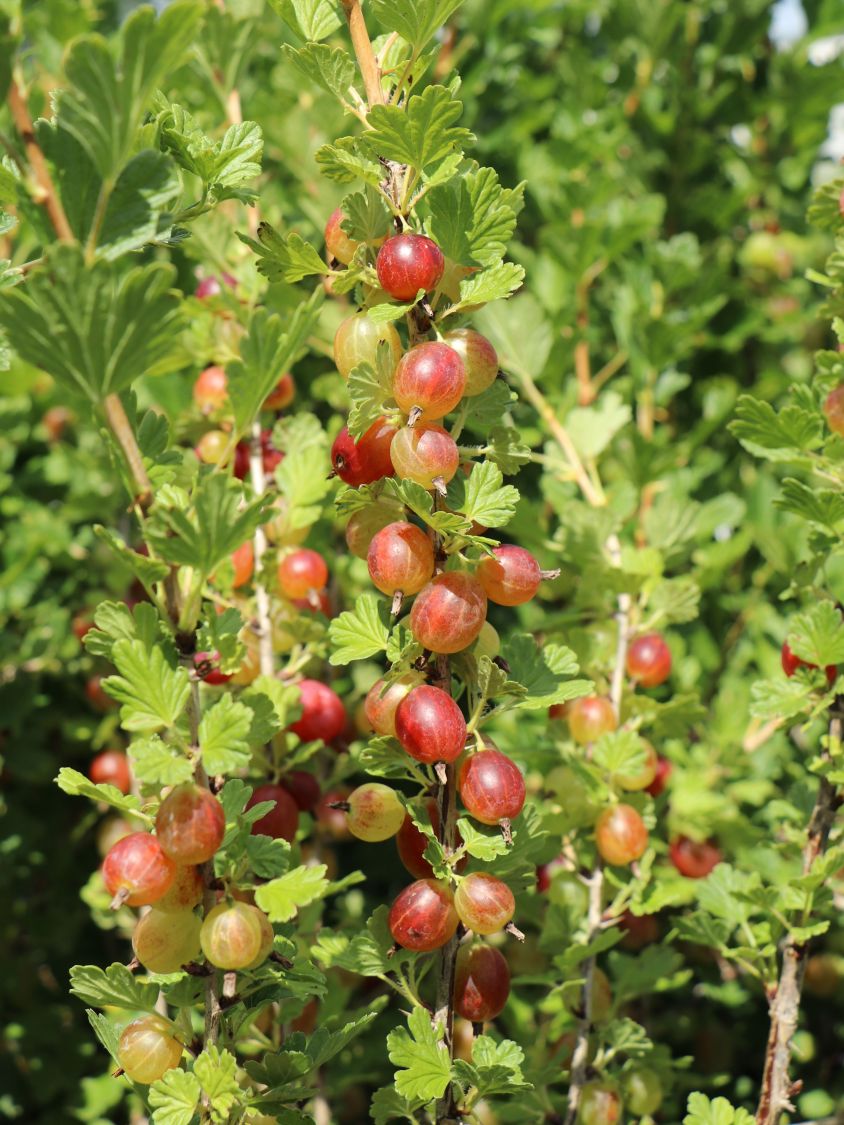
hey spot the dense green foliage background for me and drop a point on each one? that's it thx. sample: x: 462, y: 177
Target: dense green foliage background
x: 669, y: 151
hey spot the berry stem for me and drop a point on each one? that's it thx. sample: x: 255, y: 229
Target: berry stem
x: 784, y: 997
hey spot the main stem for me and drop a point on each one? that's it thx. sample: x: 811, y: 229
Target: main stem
x: 259, y: 546
x: 580, y: 1055
x: 369, y: 69
x: 784, y: 1001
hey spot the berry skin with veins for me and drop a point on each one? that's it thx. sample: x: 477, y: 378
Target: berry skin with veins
x: 600, y: 1104
x: 323, y: 714
x: 283, y: 394
x: 649, y: 660
x: 423, y: 917
x: 148, y: 1048
x: 481, y: 983
x: 302, y: 571
x: 620, y: 835
x: 136, y: 871
x: 491, y: 787
x: 430, y: 725
x: 510, y: 575
x: 449, y: 612
x: 425, y: 454
x: 480, y: 359
x: 375, y: 813
x: 407, y: 263
x: 694, y: 858
x: 484, y: 903
x: 163, y: 941
x: 589, y: 717
x: 243, y: 561
x: 337, y: 242
x: 185, y: 892
x: 211, y: 390
x: 111, y: 767
x: 400, y: 559
x: 363, y: 526
x: 190, y: 824
x: 357, y: 340
x: 282, y: 821
x: 232, y: 935
x: 211, y: 447
x: 381, y: 704
x: 366, y: 460
x: 430, y: 379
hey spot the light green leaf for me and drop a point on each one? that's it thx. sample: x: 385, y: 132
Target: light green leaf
x: 416, y: 21
x: 152, y: 692
x: 718, y: 1111
x: 779, y: 436
x: 281, y: 898
x: 217, y: 1072
x: 312, y: 19
x: 370, y: 392
x: 592, y: 428
x: 419, y: 134
x: 114, y: 987
x: 495, y: 283
x: 284, y: 257
x: 223, y: 736
x: 424, y: 1067
x: 174, y: 1098
x: 360, y: 632
x: 482, y: 845
x: 817, y: 635
x: 482, y: 496
x: 546, y: 672
x: 471, y: 218
x: 78, y: 785
x: 154, y: 761
x: 328, y: 67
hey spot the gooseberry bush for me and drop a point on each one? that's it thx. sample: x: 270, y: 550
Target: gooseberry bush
x: 414, y: 796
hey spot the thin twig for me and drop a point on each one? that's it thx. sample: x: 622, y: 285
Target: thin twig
x: 46, y: 195
x: 262, y: 598
x: 784, y: 997
x: 125, y: 437
x: 369, y: 69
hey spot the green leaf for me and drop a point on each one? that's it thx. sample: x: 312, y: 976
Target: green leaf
x: 312, y: 19
x: 484, y: 846
x: 346, y: 161
x: 783, y: 436
x: 152, y: 692
x: 115, y: 621
x: 388, y: 1105
x: 220, y: 633
x: 274, y: 706
x: 592, y: 428
x: 324, y: 1044
x: 366, y: 218
x: 104, y: 1030
x: 822, y: 506
x: 521, y: 333
x: 281, y: 898
x: 419, y: 134
x: 269, y: 348
x: 366, y: 953
x: 370, y: 391
x: 148, y: 571
x: 114, y: 987
x: 545, y: 672
x: 104, y: 99
x: 416, y: 21
x: 217, y: 1072
x: 95, y: 330
x: 174, y: 1097
x: 620, y: 753
x: 328, y: 67
x: 360, y: 632
x: 471, y: 219
x: 223, y: 736
x: 424, y: 1067
x: 718, y: 1111
x: 154, y: 761
x: 224, y: 164
x: 136, y: 211
x: 495, y: 283
x: 496, y: 1068
x: 482, y: 497
x: 284, y: 257
x: 507, y: 449
x: 302, y: 479
x: 817, y: 635
x: 77, y: 784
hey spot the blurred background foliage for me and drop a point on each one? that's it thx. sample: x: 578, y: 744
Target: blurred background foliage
x: 670, y: 151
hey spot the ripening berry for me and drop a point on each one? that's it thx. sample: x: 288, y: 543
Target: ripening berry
x: 620, y: 835
x: 232, y: 935
x: 425, y: 454
x: 207, y: 668
x: 663, y: 773
x: 430, y: 378
x: 357, y: 340
x: 649, y: 660
x: 639, y: 779
x: 481, y: 982
x: 190, y: 824
x: 833, y: 409
x: 400, y: 559
x: 600, y: 1104
x: 81, y: 625
x: 243, y: 561
x: 639, y: 930
x: 382, y: 701
x: 97, y: 696
x: 366, y: 460
x: 449, y: 612
x: 790, y: 664
x: 480, y: 359
x: 491, y: 787
x: 333, y: 821
x: 423, y: 917
x: 323, y: 714
x: 694, y: 858
x: 212, y: 286
x: 111, y: 768
x: 300, y: 572
x: 163, y: 941
x: 363, y: 525
x: 210, y: 391
x: 589, y: 717
x: 282, y: 821
x: 510, y: 575
x: 304, y: 788
x: 136, y: 871
x: 407, y: 263
x: 642, y: 1092
x: 484, y: 903
x: 337, y: 242
x: 148, y: 1048
x: 411, y: 842
x: 185, y: 892
x: 430, y: 725
x: 283, y: 394
x: 212, y: 446
x: 375, y: 812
